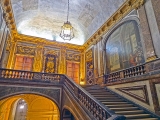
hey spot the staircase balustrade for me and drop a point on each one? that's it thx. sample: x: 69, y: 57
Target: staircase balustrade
x: 98, y: 110
x: 86, y: 100
x: 126, y: 73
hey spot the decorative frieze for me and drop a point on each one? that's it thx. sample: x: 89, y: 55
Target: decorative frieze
x: 25, y: 50
x: 73, y: 56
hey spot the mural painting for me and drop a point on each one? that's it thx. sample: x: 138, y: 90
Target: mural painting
x: 124, y: 48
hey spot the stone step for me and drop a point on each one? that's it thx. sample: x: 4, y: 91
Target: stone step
x: 111, y: 100
x: 144, y: 119
x: 104, y: 95
x: 99, y: 92
x: 137, y: 116
x: 113, y: 103
x: 107, y: 97
x: 119, y: 105
x: 129, y: 112
x: 124, y: 108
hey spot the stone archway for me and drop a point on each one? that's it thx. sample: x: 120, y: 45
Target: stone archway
x: 67, y: 115
x: 38, y: 108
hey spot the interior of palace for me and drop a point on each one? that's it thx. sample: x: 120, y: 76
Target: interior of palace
x: 108, y: 70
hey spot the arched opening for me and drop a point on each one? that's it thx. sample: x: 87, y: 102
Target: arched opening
x: 19, y: 110
x: 124, y: 47
x: 28, y: 107
x: 67, y: 115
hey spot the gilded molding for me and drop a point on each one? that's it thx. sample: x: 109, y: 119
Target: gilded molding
x: 72, y: 56
x: 63, y: 61
x: 45, y: 42
x: 151, y: 58
x: 82, y: 67
x: 25, y: 50
x: 9, y: 16
x: 52, y: 52
x: 11, y: 55
x: 89, y: 55
x: 38, y: 59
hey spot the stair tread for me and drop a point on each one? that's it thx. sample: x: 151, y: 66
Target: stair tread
x: 107, y: 97
x: 115, y: 102
x: 120, y: 105
x: 124, y: 108
x: 133, y: 111
x: 129, y: 112
x: 137, y: 115
x: 144, y: 119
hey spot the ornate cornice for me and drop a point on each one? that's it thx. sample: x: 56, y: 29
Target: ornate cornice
x: 118, y: 15
x: 45, y: 42
x: 9, y: 16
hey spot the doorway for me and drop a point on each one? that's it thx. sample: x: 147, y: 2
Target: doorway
x: 23, y: 63
x: 73, y: 71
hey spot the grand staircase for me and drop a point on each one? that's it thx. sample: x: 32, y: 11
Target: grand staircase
x: 118, y: 104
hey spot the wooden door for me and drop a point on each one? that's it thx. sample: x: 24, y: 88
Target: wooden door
x: 23, y: 63
x: 73, y: 71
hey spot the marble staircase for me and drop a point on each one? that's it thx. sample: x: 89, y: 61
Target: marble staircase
x: 118, y: 104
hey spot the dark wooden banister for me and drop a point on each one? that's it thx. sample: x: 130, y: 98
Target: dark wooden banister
x: 98, y: 110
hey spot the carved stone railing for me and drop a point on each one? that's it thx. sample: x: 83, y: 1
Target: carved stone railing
x: 126, y: 73
x: 27, y: 75
x: 98, y: 110
x: 86, y: 100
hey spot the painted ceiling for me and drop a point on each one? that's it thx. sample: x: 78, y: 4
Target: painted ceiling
x: 44, y: 18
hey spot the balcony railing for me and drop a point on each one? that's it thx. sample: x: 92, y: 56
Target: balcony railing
x: 126, y: 73
x: 86, y: 100
x: 27, y: 75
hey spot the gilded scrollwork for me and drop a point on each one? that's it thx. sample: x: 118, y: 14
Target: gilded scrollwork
x: 73, y: 56
x: 26, y: 50
x: 51, y: 61
x: 82, y: 67
x: 63, y: 60
x: 50, y: 65
x: 37, y: 66
x: 89, y: 55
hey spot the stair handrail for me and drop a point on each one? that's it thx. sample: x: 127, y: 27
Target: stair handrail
x: 100, y: 111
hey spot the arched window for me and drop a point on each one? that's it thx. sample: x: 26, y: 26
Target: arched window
x: 123, y: 47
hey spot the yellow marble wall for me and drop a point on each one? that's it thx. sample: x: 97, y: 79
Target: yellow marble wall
x: 39, y: 50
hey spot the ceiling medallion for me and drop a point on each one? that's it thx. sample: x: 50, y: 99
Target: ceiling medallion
x: 67, y: 29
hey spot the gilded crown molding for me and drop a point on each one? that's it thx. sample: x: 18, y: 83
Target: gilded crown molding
x: 127, y: 7
x: 96, y: 37
x: 45, y: 42
x: 9, y: 16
